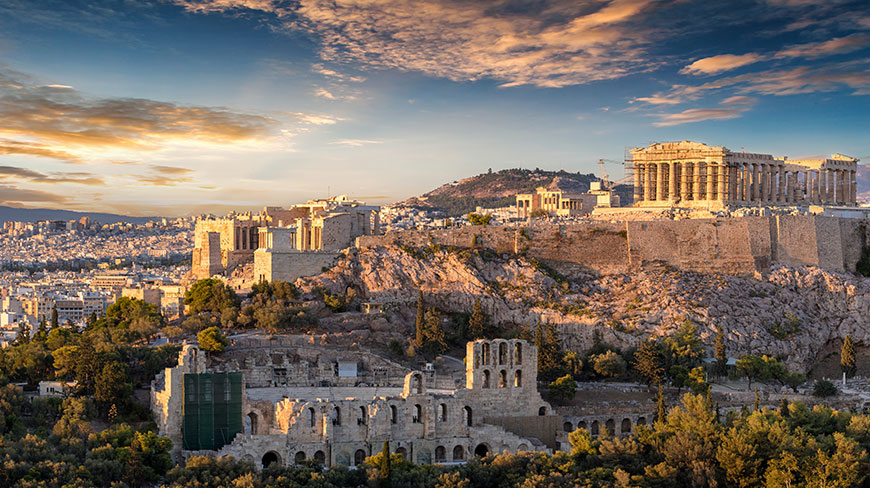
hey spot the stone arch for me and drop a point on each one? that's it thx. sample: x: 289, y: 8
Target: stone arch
x: 358, y: 457
x: 467, y: 416
x: 581, y: 424
x: 481, y: 450
x: 418, y: 414
x: 251, y: 423
x: 595, y: 429
x: 418, y: 383
x: 568, y: 427
x: 402, y: 452
x: 542, y: 411
x: 336, y: 419
x: 502, y: 379
x: 485, y: 353
x: 625, y: 428
x: 522, y: 448
x: 518, y: 379
x: 641, y: 421
x: 320, y: 457
x: 458, y: 453
x: 362, y: 415
x: 486, y: 378
x: 518, y: 353
x: 442, y: 412
x: 300, y: 457
x: 311, y: 417
x: 271, y: 458
x: 440, y: 454
x: 502, y: 353
x: 394, y: 414
x: 610, y: 425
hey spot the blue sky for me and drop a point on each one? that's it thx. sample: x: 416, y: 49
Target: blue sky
x: 185, y: 106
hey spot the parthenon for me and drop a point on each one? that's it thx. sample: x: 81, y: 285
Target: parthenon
x: 691, y: 174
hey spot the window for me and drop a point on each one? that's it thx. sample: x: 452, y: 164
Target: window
x: 466, y: 412
x: 518, y: 379
x: 485, y: 353
x: 502, y: 353
x: 485, y: 378
x: 443, y: 412
x: 440, y: 454
x: 418, y: 414
x: 311, y: 417
x: 362, y: 416
x: 518, y: 353
x: 394, y: 416
x: 336, y: 419
x: 502, y: 379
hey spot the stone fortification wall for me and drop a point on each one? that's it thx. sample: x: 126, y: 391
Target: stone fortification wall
x: 733, y: 245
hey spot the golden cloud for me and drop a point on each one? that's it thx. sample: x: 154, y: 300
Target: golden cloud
x: 12, y: 196
x: 14, y: 172
x: 721, y: 63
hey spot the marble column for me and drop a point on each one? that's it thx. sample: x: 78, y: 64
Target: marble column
x: 780, y: 174
x: 765, y: 182
x: 720, y: 182
x: 684, y: 181
x: 646, y: 182
x: 696, y: 181
x: 853, y: 187
x: 789, y: 186
x: 637, y: 187
x: 708, y: 173
x: 673, y: 190
x: 744, y: 183
x: 754, y: 194
x: 660, y: 181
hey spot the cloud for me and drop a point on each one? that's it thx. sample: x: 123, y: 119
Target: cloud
x: 316, y: 119
x: 324, y: 93
x: 721, y: 63
x: 13, y: 196
x: 734, y: 108
x: 171, y: 170
x: 336, y: 75
x: 658, y: 99
x: 547, y: 44
x: 64, y: 124
x: 837, y: 45
x: 356, y: 142
x: 14, y: 172
x: 739, y: 100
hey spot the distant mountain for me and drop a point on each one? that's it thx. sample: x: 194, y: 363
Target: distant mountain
x: 35, y: 214
x: 499, y: 189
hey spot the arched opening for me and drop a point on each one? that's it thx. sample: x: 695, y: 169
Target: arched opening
x: 595, y: 428
x: 394, y: 414
x: 300, y: 456
x: 418, y: 414
x: 542, y: 411
x: 502, y: 379
x: 625, y: 428
x: 485, y: 349
x: 466, y: 414
x: 610, y: 425
x: 336, y: 416
x: 581, y: 424
x: 440, y: 454
x: 481, y: 450
x: 518, y: 353
x: 418, y: 384
x: 311, y: 419
x: 362, y: 416
x: 518, y: 379
x: 641, y: 421
x: 458, y: 453
x: 568, y: 427
x: 320, y: 457
x: 442, y: 412
x: 486, y: 378
x: 270, y: 458
x: 251, y: 423
x: 358, y: 457
x: 502, y: 353
x: 402, y: 452
x: 522, y: 448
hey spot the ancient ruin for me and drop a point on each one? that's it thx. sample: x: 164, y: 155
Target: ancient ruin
x: 691, y: 174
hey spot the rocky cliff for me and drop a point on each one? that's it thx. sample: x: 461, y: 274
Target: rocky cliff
x: 796, y: 313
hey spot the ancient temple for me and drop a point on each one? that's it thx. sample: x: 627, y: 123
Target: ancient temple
x: 692, y: 174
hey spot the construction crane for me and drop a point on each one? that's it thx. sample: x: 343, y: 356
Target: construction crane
x: 606, y: 184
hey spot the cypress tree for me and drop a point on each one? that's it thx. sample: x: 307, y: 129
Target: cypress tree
x: 477, y: 322
x: 384, y: 475
x: 757, y: 405
x: 661, y: 411
x: 54, y: 317
x: 783, y: 408
x: 420, y: 325
x: 433, y: 332
x: 847, y: 356
x: 719, y: 352
x: 42, y: 331
x: 648, y: 363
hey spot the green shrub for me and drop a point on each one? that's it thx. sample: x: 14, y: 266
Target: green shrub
x: 824, y: 389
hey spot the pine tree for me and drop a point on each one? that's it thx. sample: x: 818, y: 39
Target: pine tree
x: 661, y: 411
x: 719, y: 352
x: 847, y: 356
x: 648, y: 363
x: 477, y: 322
x: 54, y: 317
x: 23, y: 336
x: 42, y: 331
x: 783, y: 408
x: 384, y: 474
x: 757, y: 405
x: 433, y: 332
x: 419, y: 325
x: 113, y: 414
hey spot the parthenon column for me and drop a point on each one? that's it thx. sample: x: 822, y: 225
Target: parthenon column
x: 660, y: 181
x: 647, y: 182
x: 708, y: 172
x: 841, y: 186
x: 696, y: 181
x: 765, y: 182
x: 744, y: 183
x: 753, y: 194
x: 853, y: 187
x: 779, y: 183
x: 684, y: 181
x: 720, y: 191
x: 637, y: 188
x: 673, y: 190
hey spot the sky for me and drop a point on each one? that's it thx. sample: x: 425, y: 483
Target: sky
x: 182, y: 107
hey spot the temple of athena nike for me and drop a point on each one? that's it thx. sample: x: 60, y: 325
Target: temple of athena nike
x: 692, y: 174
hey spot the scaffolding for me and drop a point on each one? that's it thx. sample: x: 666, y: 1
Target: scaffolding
x: 212, y: 410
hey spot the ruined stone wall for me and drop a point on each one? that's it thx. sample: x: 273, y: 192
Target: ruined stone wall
x: 270, y: 265
x: 739, y: 245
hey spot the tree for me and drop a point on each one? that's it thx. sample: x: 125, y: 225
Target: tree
x: 433, y: 332
x: 648, y: 363
x: 824, y: 388
x: 212, y: 340
x: 719, y: 352
x: 384, y: 473
x: 574, y: 363
x: 698, y: 380
x: 54, y: 317
x: 477, y: 321
x: 23, y: 335
x: 479, y: 219
x: 685, y: 346
x: 42, y: 331
x: 847, y: 356
x: 419, y: 325
x: 608, y: 364
x: 550, y: 363
x: 112, y: 385
x: 210, y: 295
x: 794, y: 380
x: 751, y: 367
x: 562, y: 389
x: 661, y: 411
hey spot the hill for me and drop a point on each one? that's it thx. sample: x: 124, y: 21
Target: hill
x: 36, y: 214
x: 497, y: 189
